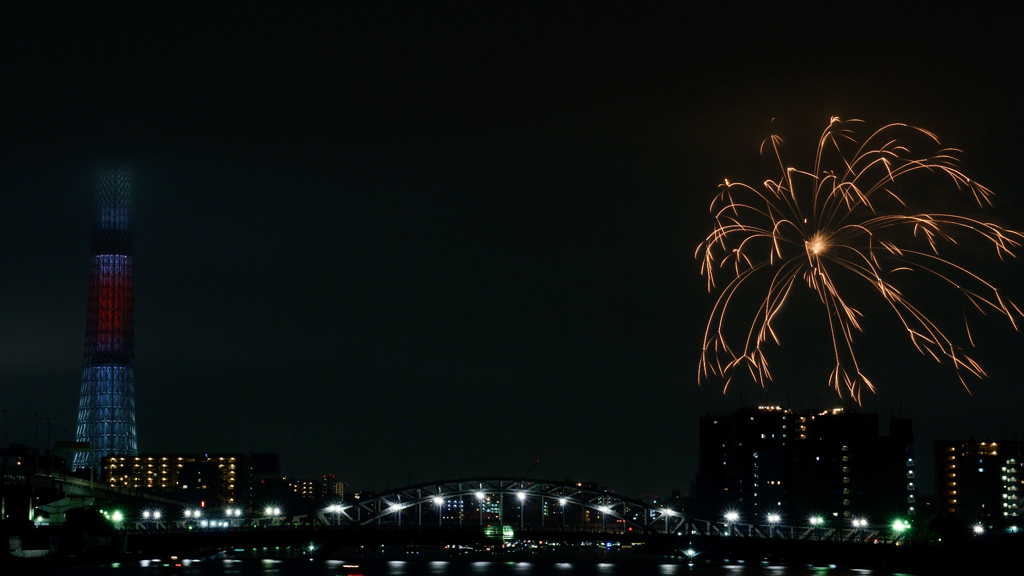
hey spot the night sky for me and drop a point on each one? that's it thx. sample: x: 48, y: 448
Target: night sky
x: 413, y: 243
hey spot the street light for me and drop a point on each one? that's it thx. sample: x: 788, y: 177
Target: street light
x: 858, y: 525
x: 396, y: 508
x: 274, y: 512
x: 440, y: 510
x: 480, y: 505
x: 731, y: 516
x: 337, y: 509
x: 978, y: 529
x: 666, y: 512
x: 562, y: 502
x: 899, y: 525
x: 522, y: 504
x: 816, y: 522
x: 150, y: 515
x: 773, y: 519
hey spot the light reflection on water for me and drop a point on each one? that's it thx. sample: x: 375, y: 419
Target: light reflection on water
x: 438, y: 567
x: 523, y: 568
x: 306, y: 567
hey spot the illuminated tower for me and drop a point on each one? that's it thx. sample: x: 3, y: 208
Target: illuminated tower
x: 106, y: 408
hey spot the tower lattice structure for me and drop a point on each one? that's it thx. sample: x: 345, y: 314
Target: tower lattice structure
x: 106, y: 407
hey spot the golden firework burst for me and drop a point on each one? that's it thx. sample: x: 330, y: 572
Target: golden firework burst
x: 846, y: 219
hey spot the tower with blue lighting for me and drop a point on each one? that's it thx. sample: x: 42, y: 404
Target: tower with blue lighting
x: 106, y: 407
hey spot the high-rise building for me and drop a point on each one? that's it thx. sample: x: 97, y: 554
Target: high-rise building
x: 333, y: 488
x: 843, y: 469
x: 106, y: 407
x: 832, y: 464
x: 979, y: 480
x: 744, y: 460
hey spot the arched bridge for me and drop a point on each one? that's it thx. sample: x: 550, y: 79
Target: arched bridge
x: 517, y: 502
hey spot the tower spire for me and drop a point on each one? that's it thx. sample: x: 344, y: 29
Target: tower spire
x: 106, y: 407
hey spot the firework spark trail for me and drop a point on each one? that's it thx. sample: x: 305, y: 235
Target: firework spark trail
x: 845, y: 215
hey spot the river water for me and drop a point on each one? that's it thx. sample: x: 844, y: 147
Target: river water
x: 357, y: 567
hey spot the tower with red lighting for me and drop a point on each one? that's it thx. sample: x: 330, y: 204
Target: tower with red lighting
x: 106, y: 407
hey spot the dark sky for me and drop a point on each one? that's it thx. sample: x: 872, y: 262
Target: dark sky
x: 411, y: 243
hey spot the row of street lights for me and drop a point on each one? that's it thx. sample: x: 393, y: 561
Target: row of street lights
x: 481, y: 496
x: 817, y: 522
x: 196, y: 514
x: 731, y: 517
